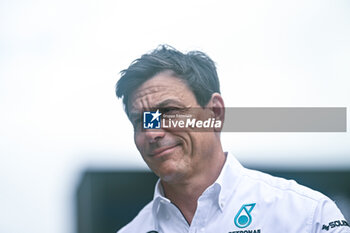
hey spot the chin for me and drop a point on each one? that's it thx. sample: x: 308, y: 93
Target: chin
x: 166, y: 173
x: 169, y: 178
x: 168, y: 170
x: 171, y: 175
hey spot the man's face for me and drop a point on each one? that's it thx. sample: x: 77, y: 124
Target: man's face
x: 171, y: 154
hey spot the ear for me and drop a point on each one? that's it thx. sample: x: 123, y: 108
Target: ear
x: 216, y: 104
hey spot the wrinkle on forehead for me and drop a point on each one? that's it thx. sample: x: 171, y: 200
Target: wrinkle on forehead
x: 150, y: 97
x: 160, y: 88
x: 156, y: 89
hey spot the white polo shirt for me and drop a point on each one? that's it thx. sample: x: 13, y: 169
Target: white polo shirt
x: 244, y: 201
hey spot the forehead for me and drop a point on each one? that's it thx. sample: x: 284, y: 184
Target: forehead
x: 162, y: 88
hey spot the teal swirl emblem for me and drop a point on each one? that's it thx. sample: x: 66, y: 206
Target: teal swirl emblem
x: 243, y: 217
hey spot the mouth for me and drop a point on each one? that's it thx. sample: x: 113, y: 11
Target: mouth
x: 159, y: 152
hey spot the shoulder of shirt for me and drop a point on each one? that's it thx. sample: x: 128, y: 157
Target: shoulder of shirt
x: 143, y: 220
x: 284, y: 185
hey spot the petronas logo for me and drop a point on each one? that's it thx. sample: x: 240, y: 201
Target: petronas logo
x: 243, y: 217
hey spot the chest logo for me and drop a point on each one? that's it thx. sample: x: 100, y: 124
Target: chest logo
x: 243, y: 217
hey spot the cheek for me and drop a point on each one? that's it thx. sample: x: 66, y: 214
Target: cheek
x: 185, y: 139
x: 201, y: 141
x: 139, y: 141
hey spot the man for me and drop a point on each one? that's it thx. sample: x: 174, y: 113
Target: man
x: 202, y: 188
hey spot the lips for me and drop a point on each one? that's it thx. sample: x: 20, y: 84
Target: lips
x: 161, y: 150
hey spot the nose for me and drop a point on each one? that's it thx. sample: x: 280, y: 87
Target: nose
x: 153, y: 135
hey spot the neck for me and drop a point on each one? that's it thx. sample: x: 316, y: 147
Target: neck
x: 185, y: 194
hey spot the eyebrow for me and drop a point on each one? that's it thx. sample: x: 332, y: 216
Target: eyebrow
x: 163, y: 104
x: 167, y: 102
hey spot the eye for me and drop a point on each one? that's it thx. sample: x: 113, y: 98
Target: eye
x: 170, y: 110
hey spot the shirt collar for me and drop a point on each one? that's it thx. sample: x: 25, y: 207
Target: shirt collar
x: 228, y: 179
x: 223, y: 187
x: 158, y: 198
